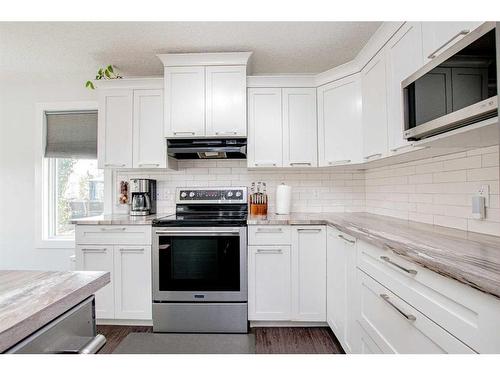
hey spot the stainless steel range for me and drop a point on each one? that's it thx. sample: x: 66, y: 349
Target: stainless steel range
x: 200, y: 262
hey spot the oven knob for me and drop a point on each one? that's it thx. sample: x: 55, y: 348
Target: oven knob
x: 191, y: 195
x: 229, y: 194
x: 238, y: 194
x: 183, y: 194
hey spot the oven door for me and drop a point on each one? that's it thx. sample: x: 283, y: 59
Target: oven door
x: 202, y: 264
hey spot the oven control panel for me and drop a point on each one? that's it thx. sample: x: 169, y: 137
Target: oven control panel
x: 212, y: 195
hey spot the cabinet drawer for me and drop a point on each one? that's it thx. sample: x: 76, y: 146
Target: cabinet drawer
x: 269, y: 235
x: 113, y: 234
x: 461, y: 310
x: 397, y: 327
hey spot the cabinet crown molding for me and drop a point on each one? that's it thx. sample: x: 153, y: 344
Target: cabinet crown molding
x: 137, y: 83
x: 204, y: 59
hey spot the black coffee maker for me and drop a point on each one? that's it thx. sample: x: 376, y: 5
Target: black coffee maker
x: 143, y: 194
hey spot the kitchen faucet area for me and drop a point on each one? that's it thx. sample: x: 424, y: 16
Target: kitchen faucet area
x: 310, y: 188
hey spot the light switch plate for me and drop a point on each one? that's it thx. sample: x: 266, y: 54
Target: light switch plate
x: 484, y: 191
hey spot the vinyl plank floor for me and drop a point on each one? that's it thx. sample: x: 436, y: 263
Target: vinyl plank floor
x: 275, y: 340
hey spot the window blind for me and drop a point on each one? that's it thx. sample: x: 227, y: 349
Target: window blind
x: 71, y: 134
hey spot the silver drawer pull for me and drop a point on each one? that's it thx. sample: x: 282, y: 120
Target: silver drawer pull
x: 305, y: 163
x: 270, y: 251
x: 149, y: 164
x: 226, y: 133
x: 378, y: 155
x: 132, y: 250
x: 409, y: 317
x: 264, y: 230
x: 265, y: 164
x: 309, y: 230
x: 101, y: 250
x: 193, y: 133
x: 335, y: 162
x: 114, y: 165
x: 402, y: 147
x: 461, y: 32
x: 346, y: 239
x: 121, y: 229
x: 407, y: 270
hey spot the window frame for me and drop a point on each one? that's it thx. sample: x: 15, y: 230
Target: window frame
x: 43, y: 211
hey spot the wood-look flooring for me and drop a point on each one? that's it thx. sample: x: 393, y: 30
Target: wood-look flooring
x: 275, y: 340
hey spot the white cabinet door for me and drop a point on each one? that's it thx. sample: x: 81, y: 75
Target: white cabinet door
x: 404, y: 57
x: 115, y: 128
x: 336, y: 284
x: 438, y: 36
x: 269, y: 283
x: 226, y: 101
x: 265, y: 130
x: 184, y: 101
x: 375, y: 107
x: 300, y: 140
x: 98, y: 258
x: 340, y: 133
x: 149, y: 142
x: 309, y: 273
x: 132, y: 278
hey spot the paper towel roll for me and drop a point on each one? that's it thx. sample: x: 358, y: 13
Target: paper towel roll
x: 283, y: 199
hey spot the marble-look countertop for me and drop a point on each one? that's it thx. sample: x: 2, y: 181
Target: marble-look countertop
x: 472, y: 259
x: 120, y: 219
x: 31, y: 299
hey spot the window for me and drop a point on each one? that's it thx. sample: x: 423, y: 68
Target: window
x: 69, y: 183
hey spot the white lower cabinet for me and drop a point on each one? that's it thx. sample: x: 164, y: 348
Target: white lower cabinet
x: 269, y: 277
x: 287, y: 274
x: 128, y: 295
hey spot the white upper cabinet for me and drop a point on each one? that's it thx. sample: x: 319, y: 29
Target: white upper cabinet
x: 374, y: 82
x: 149, y: 142
x: 115, y: 128
x: 404, y: 57
x: 265, y: 129
x: 438, y: 36
x: 299, y: 127
x: 226, y: 101
x: 184, y: 101
x: 340, y: 122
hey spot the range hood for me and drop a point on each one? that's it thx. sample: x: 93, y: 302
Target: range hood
x: 216, y: 148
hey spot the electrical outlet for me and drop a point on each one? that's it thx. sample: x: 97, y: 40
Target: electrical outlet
x: 484, y: 191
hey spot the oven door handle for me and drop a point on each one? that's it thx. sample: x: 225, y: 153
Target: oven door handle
x: 196, y: 232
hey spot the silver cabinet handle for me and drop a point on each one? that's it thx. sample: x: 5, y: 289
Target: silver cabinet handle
x: 265, y: 164
x: 335, y: 162
x: 305, y: 163
x: 271, y: 230
x: 95, y: 250
x: 192, y: 133
x: 149, y: 164
x: 461, y: 32
x: 308, y: 230
x: 270, y: 251
x: 121, y: 229
x: 226, y: 133
x: 409, y: 317
x: 378, y: 155
x: 114, y: 165
x: 93, y: 345
x: 132, y: 250
x: 346, y: 239
x: 407, y: 270
x: 401, y: 147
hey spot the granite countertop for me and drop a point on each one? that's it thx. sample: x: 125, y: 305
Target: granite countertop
x: 31, y: 299
x: 470, y: 258
x: 120, y: 219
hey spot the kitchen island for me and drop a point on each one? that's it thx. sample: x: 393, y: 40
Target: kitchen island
x: 31, y: 302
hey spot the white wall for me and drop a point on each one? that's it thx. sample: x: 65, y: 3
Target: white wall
x: 18, y: 98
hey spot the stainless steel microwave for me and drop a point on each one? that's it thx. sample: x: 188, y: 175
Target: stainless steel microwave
x: 455, y: 89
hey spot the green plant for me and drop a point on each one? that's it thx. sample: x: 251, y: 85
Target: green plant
x: 103, y: 73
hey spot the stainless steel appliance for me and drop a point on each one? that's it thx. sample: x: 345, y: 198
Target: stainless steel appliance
x: 74, y: 332
x: 457, y: 88
x: 222, y: 148
x: 143, y: 194
x: 200, y: 262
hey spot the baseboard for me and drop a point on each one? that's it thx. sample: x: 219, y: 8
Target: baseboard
x: 286, y: 323
x: 124, y: 322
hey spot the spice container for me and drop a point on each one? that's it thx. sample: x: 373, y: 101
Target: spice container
x: 258, y: 199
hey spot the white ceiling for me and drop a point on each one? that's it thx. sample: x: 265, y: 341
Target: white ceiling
x: 66, y: 48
